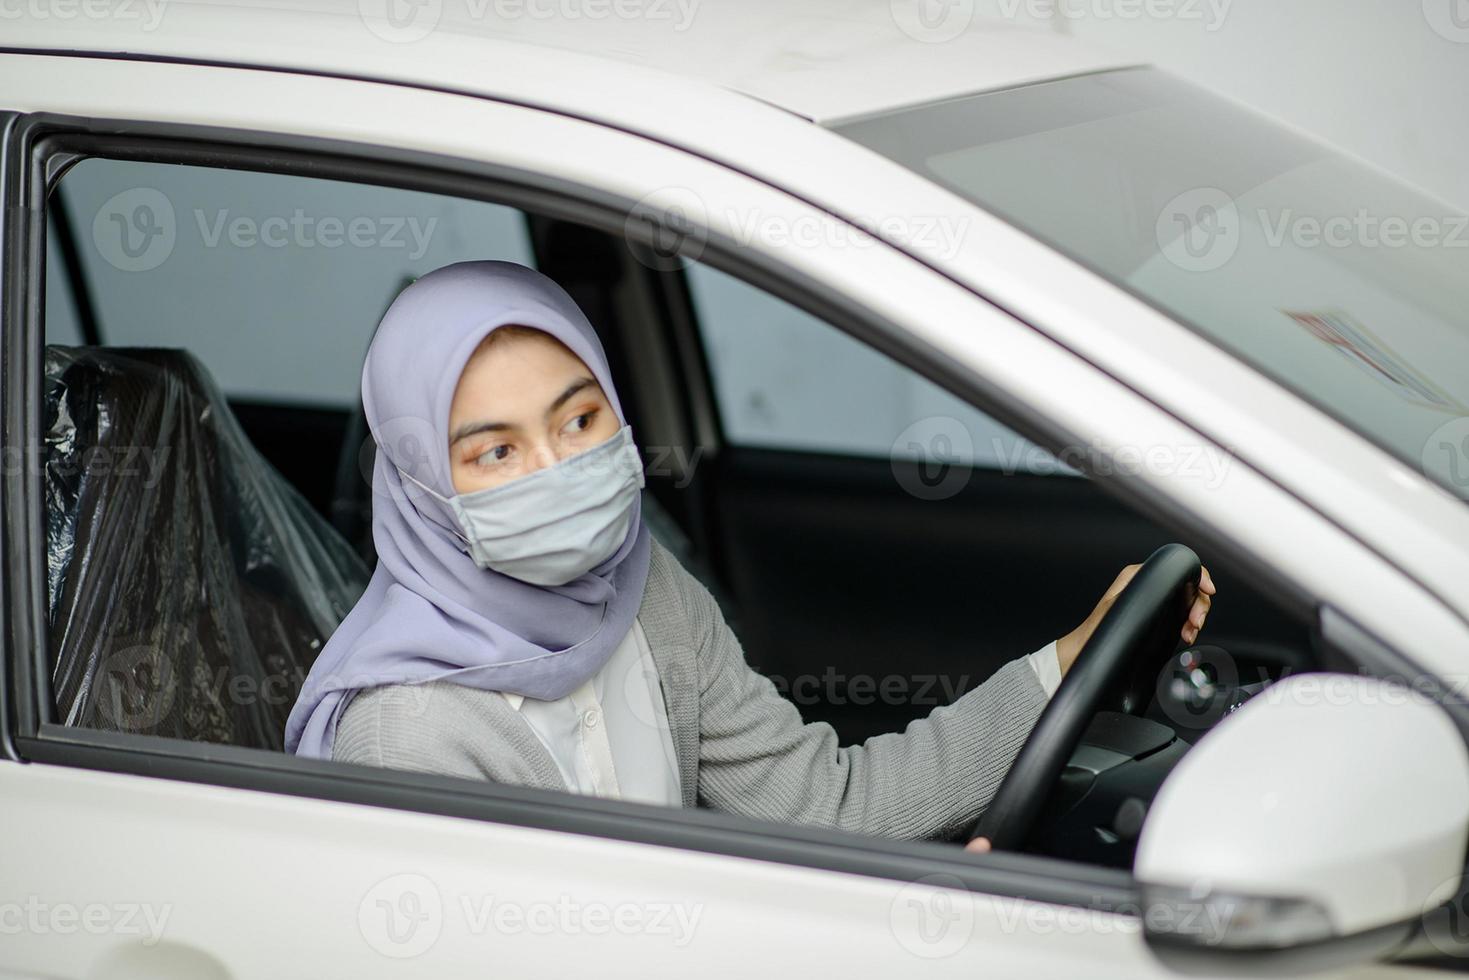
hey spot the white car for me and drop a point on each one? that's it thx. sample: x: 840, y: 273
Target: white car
x: 966, y: 311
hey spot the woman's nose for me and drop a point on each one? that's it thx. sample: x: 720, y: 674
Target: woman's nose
x: 545, y: 455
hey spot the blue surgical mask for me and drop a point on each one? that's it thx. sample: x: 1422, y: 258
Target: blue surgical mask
x: 559, y: 522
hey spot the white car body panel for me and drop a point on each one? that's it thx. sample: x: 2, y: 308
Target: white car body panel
x: 273, y: 886
x: 825, y: 61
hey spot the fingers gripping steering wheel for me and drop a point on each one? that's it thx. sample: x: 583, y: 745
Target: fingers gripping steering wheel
x: 1115, y: 671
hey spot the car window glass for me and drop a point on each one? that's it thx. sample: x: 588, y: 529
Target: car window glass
x: 784, y: 379
x: 275, y: 282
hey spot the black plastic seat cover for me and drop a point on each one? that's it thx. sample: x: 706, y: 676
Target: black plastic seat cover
x: 189, y: 586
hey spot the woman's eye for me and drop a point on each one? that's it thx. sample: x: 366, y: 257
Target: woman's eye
x: 582, y: 422
x: 495, y: 454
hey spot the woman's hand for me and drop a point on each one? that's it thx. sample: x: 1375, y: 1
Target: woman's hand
x: 1070, y: 645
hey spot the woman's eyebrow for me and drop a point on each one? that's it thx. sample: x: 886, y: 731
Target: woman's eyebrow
x: 475, y: 428
x: 571, y: 390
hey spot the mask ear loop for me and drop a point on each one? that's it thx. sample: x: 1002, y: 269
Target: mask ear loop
x: 447, y: 501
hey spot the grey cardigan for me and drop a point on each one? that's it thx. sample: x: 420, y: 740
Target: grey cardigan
x: 741, y: 747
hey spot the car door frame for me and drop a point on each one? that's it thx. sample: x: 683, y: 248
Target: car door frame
x: 1021, y: 876
x: 33, y: 737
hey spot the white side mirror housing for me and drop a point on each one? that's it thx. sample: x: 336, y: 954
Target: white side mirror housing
x: 1328, y: 807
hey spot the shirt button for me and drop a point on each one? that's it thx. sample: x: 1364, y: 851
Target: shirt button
x: 591, y: 718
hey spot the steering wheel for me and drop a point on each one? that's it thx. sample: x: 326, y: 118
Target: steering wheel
x: 1116, y: 670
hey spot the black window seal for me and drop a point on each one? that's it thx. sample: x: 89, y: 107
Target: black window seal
x: 64, y: 228
x: 33, y: 138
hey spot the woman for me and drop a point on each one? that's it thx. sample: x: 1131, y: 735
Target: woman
x: 522, y: 625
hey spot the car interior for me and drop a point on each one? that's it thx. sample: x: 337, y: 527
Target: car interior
x: 777, y: 472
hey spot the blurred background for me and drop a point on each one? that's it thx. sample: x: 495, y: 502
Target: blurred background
x: 1384, y: 80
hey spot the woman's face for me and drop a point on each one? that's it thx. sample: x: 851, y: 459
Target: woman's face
x: 524, y: 402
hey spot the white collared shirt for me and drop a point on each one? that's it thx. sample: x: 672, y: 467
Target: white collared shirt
x: 610, y: 737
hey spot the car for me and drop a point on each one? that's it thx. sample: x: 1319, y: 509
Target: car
x: 971, y: 313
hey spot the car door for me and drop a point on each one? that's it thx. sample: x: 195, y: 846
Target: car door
x: 131, y: 855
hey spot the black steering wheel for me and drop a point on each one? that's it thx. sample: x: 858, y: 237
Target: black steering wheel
x: 1116, y: 670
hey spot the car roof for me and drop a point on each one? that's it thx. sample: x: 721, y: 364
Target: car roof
x: 824, y: 60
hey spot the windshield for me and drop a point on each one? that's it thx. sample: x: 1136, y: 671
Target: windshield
x: 1342, y: 284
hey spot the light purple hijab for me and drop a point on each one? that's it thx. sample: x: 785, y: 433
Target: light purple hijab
x: 429, y: 613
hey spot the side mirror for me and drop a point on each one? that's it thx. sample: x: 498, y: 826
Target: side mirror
x: 1313, y: 827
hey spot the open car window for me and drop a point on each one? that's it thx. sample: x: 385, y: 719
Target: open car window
x: 200, y: 322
